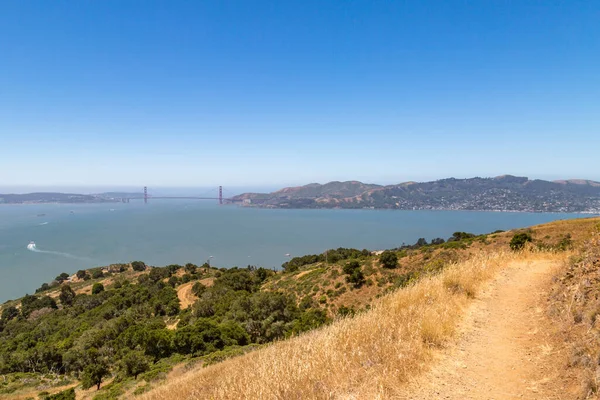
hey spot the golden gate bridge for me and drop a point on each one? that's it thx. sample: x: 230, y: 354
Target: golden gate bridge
x: 220, y: 198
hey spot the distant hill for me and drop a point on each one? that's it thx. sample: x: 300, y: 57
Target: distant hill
x: 502, y: 193
x: 333, y: 190
x: 44, y: 197
x: 579, y: 182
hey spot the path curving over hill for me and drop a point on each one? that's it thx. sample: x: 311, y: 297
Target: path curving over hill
x: 506, y: 349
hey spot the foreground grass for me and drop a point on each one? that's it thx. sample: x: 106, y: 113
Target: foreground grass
x: 574, y: 307
x: 369, y: 356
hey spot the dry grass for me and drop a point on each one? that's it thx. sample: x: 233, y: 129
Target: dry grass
x: 369, y: 356
x: 575, y: 306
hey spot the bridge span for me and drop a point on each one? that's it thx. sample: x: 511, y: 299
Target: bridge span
x: 220, y: 198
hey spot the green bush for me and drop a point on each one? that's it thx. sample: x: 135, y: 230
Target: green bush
x: 97, y: 288
x: 388, y: 259
x: 138, y: 266
x: 356, y: 278
x: 68, y: 394
x: 519, y: 240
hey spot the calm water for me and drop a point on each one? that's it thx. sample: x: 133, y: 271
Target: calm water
x: 172, y: 231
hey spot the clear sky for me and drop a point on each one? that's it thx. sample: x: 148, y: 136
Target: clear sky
x: 242, y: 93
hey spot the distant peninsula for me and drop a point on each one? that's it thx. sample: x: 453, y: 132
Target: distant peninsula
x: 68, y: 198
x: 502, y: 193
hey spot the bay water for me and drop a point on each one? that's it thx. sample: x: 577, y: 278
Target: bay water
x: 69, y: 237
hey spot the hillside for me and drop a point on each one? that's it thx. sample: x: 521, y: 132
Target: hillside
x: 503, y: 193
x: 130, y: 327
x: 331, y: 190
x: 480, y: 328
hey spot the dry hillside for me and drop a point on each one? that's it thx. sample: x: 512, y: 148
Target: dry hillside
x: 482, y: 328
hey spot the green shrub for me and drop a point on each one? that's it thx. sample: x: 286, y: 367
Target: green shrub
x: 565, y: 243
x: 97, y: 288
x: 519, y: 240
x: 68, y: 394
x: 138, y: 266
x: 350, y: 267
x: 357, y: 278
x: 142, y: 389
x: 344, y: 311
x: 388, y: 259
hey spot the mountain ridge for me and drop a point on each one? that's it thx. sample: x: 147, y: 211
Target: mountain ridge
x: 500, y: 193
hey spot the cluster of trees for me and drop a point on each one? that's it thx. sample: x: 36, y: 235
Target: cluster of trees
x: 330, y: 256
x: 86, y: 275
x: 120, y: 329
x: 422, y: 242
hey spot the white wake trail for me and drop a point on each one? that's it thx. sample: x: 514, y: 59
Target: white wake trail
x: 33, y: 247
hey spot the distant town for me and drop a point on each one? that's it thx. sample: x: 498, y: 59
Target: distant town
x: 503, y: 193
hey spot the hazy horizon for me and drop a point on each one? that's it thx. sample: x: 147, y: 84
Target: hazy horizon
x: 195, y: 190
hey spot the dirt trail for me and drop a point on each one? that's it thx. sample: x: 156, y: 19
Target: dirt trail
x: 186, y: 297
x: 505, y: 349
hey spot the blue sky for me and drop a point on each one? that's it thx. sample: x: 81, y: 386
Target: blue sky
x: 266, y: 93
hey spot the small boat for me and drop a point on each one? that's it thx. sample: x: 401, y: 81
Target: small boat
x: 31, y: 246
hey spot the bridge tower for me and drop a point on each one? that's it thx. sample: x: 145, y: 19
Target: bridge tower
x: 220, y: 194
x: 145, y: 195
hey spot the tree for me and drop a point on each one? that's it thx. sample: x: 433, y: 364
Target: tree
x: 421, y: 242
x: 43, y: 288
x: 31, y: 303
x: 173, y: 281
x: 134, y: 363
x: 9, y: 313
x: 138, y: 265
x: 519, y: 239
x: 97, y: 288
x: 97, y: 273
x: 67, y: 295
x: 81, y: 274
x: 388, y: 259
x: 262, y: 274
x: 357, y: 278
x: 350, y: 267
x: 355, y: 275
x: 95, y: 370
x: 62, y: 277
x: 173, y: 268
x: 159, y: 344
x: 157, y: 274
x: 190, y: 268
x: 458, y: 236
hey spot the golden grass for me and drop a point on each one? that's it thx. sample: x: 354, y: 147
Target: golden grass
x: 574, y: 307
x: 370, y: 356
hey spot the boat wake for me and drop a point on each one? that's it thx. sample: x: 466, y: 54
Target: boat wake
x: 32, y: 247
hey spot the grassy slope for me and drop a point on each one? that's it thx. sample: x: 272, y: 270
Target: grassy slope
x: 373, y: 354
x: 574, y: 306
